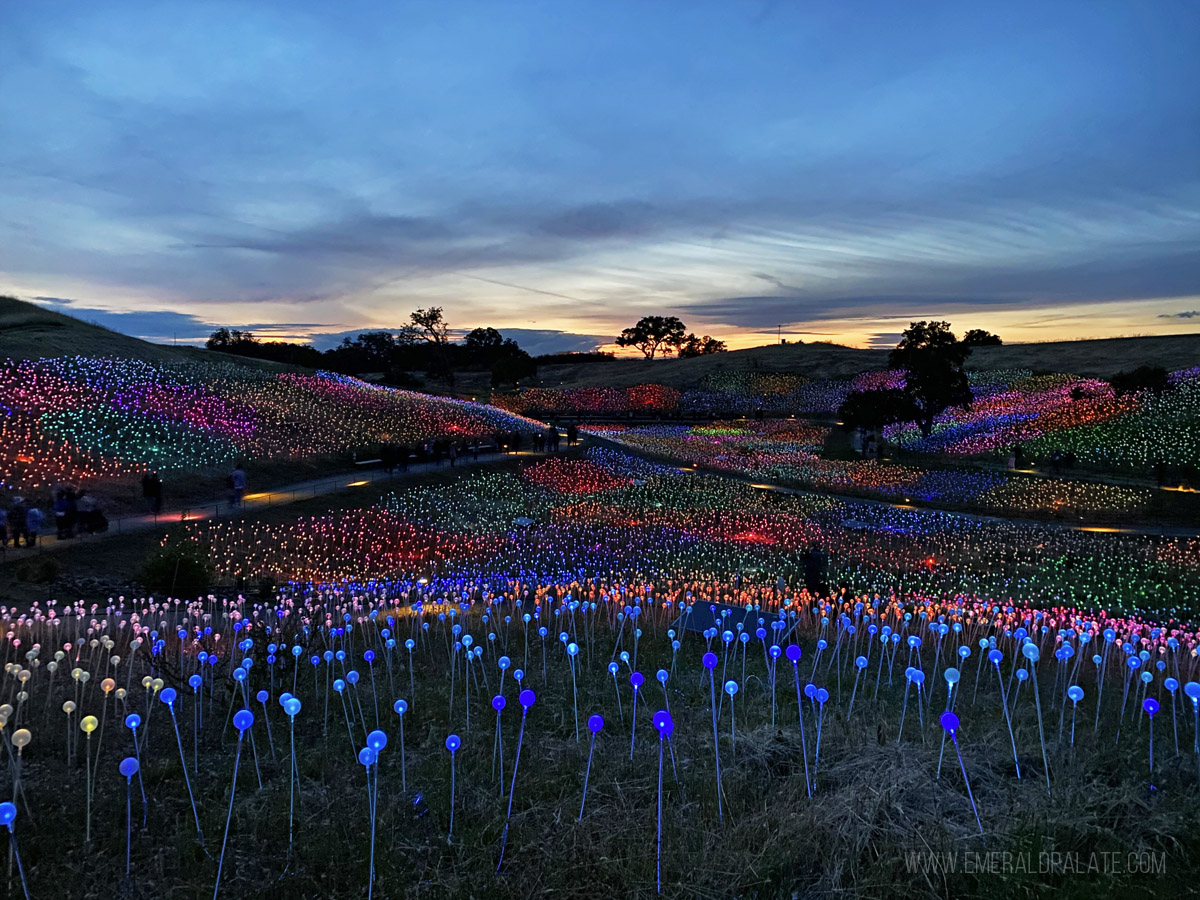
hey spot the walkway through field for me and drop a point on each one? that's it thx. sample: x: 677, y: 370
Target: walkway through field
x: 48, y: 541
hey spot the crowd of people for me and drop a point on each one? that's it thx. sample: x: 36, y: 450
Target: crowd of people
x: 401, y: 456
x: 22, y: 522
x: 1057, y: 462
x: 76, y: 511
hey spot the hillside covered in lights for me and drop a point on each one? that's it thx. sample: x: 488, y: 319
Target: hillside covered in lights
x: 82, y: 420
x: 1011, y: 407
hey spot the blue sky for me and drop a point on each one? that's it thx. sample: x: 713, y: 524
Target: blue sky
x: 564, y: 168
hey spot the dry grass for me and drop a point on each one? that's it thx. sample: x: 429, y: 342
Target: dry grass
x: 811, y: 360
x: 29, y: 331
x: 1100, y: 358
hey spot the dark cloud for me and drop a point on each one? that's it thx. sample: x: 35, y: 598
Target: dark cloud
x: 1133, y: 272
x: 536, y: 341
x: 761, y: 311
x: 165, y: 324
x: 932, y: 287
x: 363, y: 235
x: 884, y: 340
x: 603, y: 220
x: 151, y: 325
x: 1190, y: 314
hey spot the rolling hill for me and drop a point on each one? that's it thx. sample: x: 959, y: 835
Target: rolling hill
x: 1097, y: 358
x: 29, y: 331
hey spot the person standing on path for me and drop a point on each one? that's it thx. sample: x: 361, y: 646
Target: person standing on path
x: 87, y: 509
x: 60, y: 515
x: 34, y: 519
x: 16, y: 521
x: 152, y: 490
x: 237, y: 484
x: 156, y: 492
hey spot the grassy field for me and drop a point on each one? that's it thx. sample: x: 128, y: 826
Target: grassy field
x: 30, y: 331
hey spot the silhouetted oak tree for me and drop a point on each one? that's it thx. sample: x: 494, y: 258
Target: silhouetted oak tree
x: 932, y: 359
x: 654, y: 335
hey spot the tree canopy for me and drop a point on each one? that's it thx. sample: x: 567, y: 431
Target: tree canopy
x: 226, y: 339
x: 429, y: 325
x: 693, y: 346
x: 421, y: 345
x: 483, y: 340
x: 977, y: 337
x: 932, y: 359
x: 244, y: 343
x: 877, y: 408
x: 654, y: 335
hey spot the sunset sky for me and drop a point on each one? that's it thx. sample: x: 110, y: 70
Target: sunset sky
x: 557, y: 170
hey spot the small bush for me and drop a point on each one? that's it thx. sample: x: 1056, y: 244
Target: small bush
x: 1143, y: 378
x: 177, y: 569
x: 38, y: 571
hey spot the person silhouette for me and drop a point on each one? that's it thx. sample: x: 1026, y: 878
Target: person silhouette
x: 237, y: 484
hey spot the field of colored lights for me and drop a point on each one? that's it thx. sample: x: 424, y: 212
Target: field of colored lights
x: 788, y: 451
x: 1042, y: 413
x: 519, y: 682
x: 597, y: 675
x: 1061, y: 413
x: 95, y: 420
x: 612, y: 513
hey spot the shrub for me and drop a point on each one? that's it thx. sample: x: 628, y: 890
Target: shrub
x: 1143, y: 378
x: 38, y: 571
x: 177, y: 569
